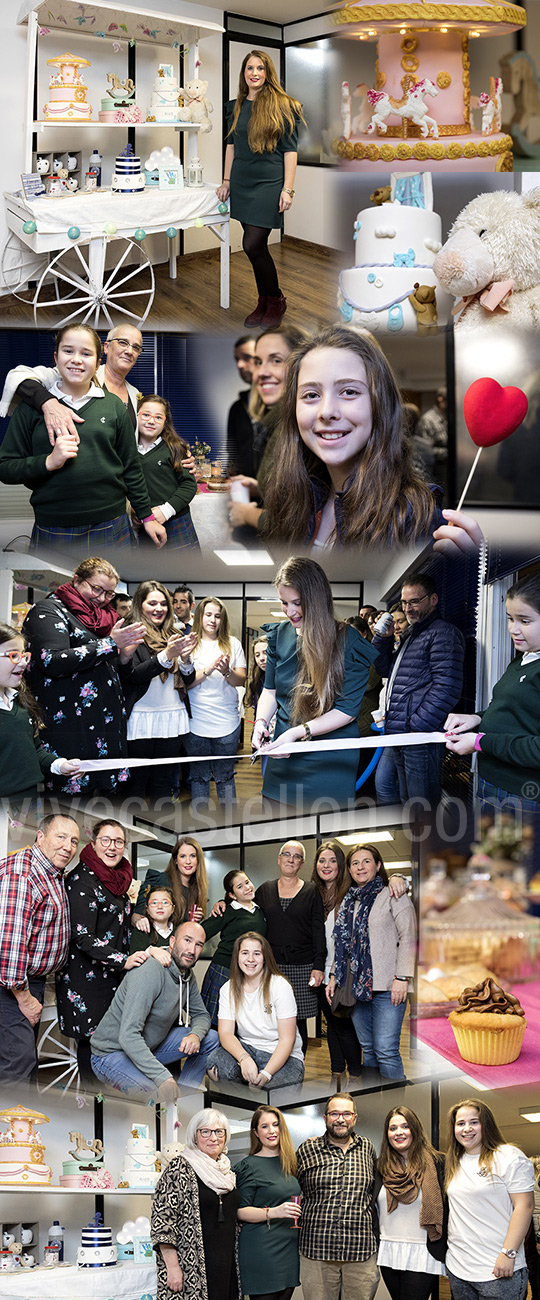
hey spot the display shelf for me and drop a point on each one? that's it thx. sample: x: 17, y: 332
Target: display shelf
x: 77, y: 1191
x: 43, y: 125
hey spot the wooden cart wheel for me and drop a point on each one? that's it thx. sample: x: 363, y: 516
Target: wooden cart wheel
x: 86, y: 290
x: 20, y: 264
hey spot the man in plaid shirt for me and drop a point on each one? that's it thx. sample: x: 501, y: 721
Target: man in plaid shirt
x: 338, y: 1244
x: 34, y: 930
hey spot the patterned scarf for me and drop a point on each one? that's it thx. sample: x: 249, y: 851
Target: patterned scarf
x: 97, y: 618
x: 351, y: 938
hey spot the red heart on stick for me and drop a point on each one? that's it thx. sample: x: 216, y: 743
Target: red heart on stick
x: 492, y: 413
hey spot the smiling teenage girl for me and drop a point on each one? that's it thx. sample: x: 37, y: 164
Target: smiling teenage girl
x: 170, y: 486
x: 185, y: 875
x: 259, y: 1041
x: 24, y: 761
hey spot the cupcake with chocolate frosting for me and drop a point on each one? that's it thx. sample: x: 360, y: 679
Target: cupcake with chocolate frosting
x: 488, y: 1024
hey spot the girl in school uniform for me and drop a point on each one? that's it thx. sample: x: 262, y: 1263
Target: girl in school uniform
x: 24, y: 760
x: 171, y: 487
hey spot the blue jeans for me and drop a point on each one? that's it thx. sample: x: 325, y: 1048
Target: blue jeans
x: 291, y: 1073
x: 418, y: 770
x: 498, y: 1288
x: 222, y: 770
x: 386, y: 779
x: 378, y: 1028
x: 117, y: 1069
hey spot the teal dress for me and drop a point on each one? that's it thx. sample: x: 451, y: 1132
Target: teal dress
x: 257, y: 178
x: 306, y: 776
x: 268, y: 1258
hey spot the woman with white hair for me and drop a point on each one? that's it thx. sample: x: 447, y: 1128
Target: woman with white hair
x: 194, y: 1216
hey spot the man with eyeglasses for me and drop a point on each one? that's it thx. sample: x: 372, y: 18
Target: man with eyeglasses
x: 35, y: 930
x: 121, y: 350
x: 156, y: 1018
x: 425, y: 681
x: 338, y: 1243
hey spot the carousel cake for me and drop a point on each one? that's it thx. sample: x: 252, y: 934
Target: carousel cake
x: 392, y: 285
x: 127, y: 177
x: 67, y: 91
x: 21, y: 1149
x: 86, y: 1167
x: 96, y: 1249
x: 166, y: 99
x: 118, y: 105
x: 418, y: 106
x: 142, y: 1165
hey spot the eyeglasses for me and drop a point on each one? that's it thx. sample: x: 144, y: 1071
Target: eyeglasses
x: 16, y: 656
x: 99, y: 591
x: 107, y: 840
x: 345, y: 1114
x: 211, y: 1132
x: 125, y: 343
x: 293, y: 857
x: 413, y: 604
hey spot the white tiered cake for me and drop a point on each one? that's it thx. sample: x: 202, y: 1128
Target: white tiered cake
x: 96, y: 1249
x: 142, y: 1165
x: 127, y: 177
x: 165, y: 100
x: 21, y: 1149
x: 393, y: 285
x: 67, y: 91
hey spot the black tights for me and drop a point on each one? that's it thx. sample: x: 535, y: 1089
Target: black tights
x: 255, y: 245
x: 301, y: 1025
x: 274, y: 1295
x: 408, y: 1286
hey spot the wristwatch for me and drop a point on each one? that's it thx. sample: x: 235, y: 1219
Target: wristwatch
x: 512, y: 1254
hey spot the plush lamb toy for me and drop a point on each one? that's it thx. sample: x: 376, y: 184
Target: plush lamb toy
x: 197, y: 107
x: 491, y: 261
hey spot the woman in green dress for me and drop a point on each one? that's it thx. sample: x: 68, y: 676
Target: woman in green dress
x: 317, y: 670
x: 266, y: 1181
x: 260, y: 166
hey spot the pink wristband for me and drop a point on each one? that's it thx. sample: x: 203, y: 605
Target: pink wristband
x: 478, y: 738
x: 148, y: 518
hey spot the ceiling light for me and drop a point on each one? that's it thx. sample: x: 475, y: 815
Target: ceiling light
x: 240, y: 556
x: 533, y: 1116
x: 378, y: 837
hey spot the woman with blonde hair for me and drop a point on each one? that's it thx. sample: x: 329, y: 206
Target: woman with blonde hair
x: 259, y: 1040
x: 490, y: 1189
x: 185, y: 876
x: 266, y: 1180
x: 260, y: 166
x: 220, y: 667
x: 316, y: 673
x: 194, y: 1224
x: 408, y: 1195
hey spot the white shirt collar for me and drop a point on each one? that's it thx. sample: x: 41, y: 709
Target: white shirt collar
x: 7, y: 698
x: 245, y: 908
x: 75, y: 402
x: 530, y: 656
x: 143, y: 451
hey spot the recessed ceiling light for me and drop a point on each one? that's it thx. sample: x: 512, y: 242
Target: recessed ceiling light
x: 377, y: 837
x: 533, y: 1116
x: 239, y: 557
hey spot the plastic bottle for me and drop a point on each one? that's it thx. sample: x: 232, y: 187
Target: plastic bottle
x: 56, y: 1238
x: 94, y: 165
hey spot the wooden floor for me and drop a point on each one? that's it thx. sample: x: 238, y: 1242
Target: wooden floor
x: 308, y: 276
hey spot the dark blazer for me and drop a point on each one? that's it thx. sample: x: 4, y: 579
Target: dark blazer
x: 436, y: 1248
x: 143, y: 667
x: 296, y: 935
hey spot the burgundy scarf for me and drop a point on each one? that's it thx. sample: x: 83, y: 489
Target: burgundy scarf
x: 116, y: 879
x: 97, y: 618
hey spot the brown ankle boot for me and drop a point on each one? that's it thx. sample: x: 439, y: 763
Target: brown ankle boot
x: 275, y: 310
x: 256, y: 316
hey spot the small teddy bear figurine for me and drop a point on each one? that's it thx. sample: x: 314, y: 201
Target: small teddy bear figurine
x: 424, y: 302
x: 196, y: 106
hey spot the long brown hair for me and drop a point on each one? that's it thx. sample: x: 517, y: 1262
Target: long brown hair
x: 273, y: 111
x: 287, y: 1153
x: 197, y: 889
x: 237, y: 977
x: 224, y: 635
x: 293, y: 337
x: 340, y: 885
x: 24, y: 694
x: 251, y: 696
x: 386, y: 501
x: 136, y: 614
x: 390, y: 1162
x: 177, y: 446
x: 321, y: 646
x: 492, y: 1138
x: 368, y: 848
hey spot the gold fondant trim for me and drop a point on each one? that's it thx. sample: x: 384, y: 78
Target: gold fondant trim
x: 443, y: 80
x: 466, y: 82
x: 425, y: 149
x: 410, y: 63
x: 406, y: 13
x: 416, y: 133
x: 409, y: 43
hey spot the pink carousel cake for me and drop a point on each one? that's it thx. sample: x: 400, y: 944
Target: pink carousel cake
x: 419, y: 108
x: 21, y: 1149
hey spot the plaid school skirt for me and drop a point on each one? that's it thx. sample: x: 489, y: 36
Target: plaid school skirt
x: 216, y: 976
x: 90, y: 539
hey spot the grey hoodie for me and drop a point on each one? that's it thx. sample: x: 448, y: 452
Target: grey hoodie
x: 150, y: 1000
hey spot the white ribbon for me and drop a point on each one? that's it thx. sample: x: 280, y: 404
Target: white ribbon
x: 297, y: 747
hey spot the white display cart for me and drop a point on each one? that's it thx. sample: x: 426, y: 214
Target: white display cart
x: 85, y: 288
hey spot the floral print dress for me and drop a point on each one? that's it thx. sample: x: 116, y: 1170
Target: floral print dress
x: 98, y: 948
x: 75, y: 676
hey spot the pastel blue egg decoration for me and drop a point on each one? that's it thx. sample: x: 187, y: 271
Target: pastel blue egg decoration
x: 171, y: 232
x: 139, y: 234
x: 74, y: 232
x: 223, y: 207
x: 29, y: 227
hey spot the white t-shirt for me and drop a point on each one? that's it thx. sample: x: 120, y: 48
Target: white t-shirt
x: 254, y: 1024
x: 214, y: 702
x: 481, y: 1209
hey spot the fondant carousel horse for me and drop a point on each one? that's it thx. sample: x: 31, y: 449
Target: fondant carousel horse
x: 520, y: 79
x: 411, y: 106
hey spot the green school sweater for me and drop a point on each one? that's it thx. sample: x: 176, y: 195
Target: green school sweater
x: 90, y: 489
x: 234, y: 922
x: 24, y: 762
x: 510, y: 748
x: 178, y: 487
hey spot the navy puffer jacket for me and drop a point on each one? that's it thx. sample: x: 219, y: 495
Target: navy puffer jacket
x: 429, y: 678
